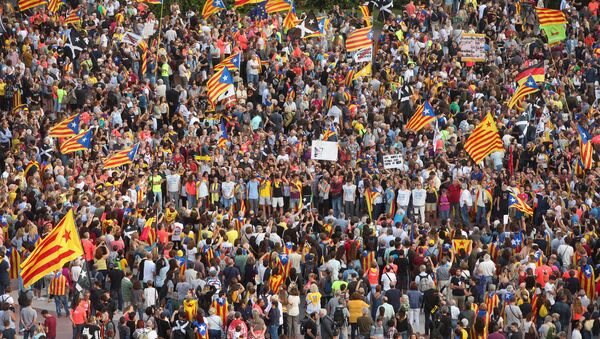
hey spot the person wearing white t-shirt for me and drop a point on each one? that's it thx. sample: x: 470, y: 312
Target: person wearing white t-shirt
x: 173, y: 186
x: 150, y: 295
x: 176, y: 235
x: 466, y: 202
x: 228, y: 190
x: 349, y: 189
x: 149, y: 270
x: 403, y: 197
x: 418, y: 197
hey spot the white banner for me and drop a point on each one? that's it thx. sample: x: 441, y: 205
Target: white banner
x: 472, y: 47
x: 364, y: 55
x: 324, y: 150
x: 393, y: 161
x: 132, y: 38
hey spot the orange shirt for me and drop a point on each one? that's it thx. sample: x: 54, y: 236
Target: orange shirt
x: 543, y: 274
x: 163, y: 236
x: 88, y: 249
x: 78, y: 315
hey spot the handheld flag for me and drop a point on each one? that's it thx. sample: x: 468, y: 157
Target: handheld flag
x: 75, y: 45
x: 422, y: 117
x: 515, y: 202
x: 121, y: 158
x: 586, y: 148
x: 212, y: 7
x: 364, y: 72
x: 60, y: 246
x: 547, y: 16
x: 80, y: 142
x: 291, y: 20
x: 359, y: 39
x: 66, y: 128
x: 364, y: 9
x: 484, y: 140
x: 74, y: 17
x: 232, y: 62
x: 220, y: 83
x: 528, y: 87
x: 274, y: 6
x: 536, y: 71
x: 27, y: 4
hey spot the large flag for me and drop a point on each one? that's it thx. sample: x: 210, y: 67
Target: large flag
x: 586, y: 148
x: 528, y: 87
x: 515, y: 201
x: 54, y: 5
x: 307, y: 27
x: 422, y: 117
x: 220, y: 83
x: 359, y: 39
x: 384, y: 6
x: 60, y: 246
x: 484, y: 140
x: 547, y: 16
x: 73, y: 17
x: 27, y: 4
x: 212, y: 7
x: 232, y: 62
x: 66, y: 128
x: 274, y: 6
x: 80, y: 142
x: 291, y: 20
x: 123, y: 157
x: 536, y: 71
x: 259, y: 12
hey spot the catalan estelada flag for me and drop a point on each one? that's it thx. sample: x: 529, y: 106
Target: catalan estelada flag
x: 462, y: 244
x: 148, y: 232
x: 359, y: 39
x: 330, y: 132
x: 222, y: 307
x: 60, y: 246
x: 491, y: 300
x: 526, y: 88
x: 232, y: 62
x: 423, y: 116
x: 515, y: 201
x: 224, y: 137
x: 74, y: 17
x: 218, y: 84
x: 66, y: 128
x: 585, y: 147
x: 587, y: 280
x: 274, y: 6
x: 123, y: 157
x: 370, y: 196
x: 153, y: 2
x: 484, y: 140
x: 547, y: 16
x: 27, y: 4
x: 537, y: 72
x: 80, y: 142
x: 275, y: 282
x: 212, y: 7
x: 291, y: 20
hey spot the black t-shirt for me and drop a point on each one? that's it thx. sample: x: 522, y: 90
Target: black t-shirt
x: 115, y: 276
x: 311, y: 326
x: 457, y: 292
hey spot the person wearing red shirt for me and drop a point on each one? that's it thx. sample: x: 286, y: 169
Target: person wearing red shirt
x: 49, y: 324
x: 454, y: 199
x: 543, y: 272
x: 88, y: 249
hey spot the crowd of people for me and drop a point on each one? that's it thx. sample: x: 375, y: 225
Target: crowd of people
x: 224, y: 226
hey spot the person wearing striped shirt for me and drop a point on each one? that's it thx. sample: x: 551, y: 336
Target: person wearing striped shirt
x: 58, y: 291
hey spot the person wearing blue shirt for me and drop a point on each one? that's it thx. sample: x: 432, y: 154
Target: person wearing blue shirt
x: 252, y: 188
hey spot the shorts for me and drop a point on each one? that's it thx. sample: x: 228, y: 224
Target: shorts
x: 430, y: 207
x: 264, y: 200
x: 277, y: 201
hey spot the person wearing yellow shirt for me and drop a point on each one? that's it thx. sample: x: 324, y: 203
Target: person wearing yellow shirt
x: 355, y: 307
x: 156, y: 180
x: 265, y: 196
x: 232, y: 233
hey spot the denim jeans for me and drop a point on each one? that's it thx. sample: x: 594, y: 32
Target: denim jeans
x: 77, y: 331
x: 337, y: 206
x: 480, y: 217
x: 61, y: 300
x: 158, y: 198
x: 29, y: 332
x: 274, y: 331
x: 464, y: 214
x: 214, y: 334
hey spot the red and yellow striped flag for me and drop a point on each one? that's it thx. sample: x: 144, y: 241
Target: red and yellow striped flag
x: 359, y: 39
x: 60, y: 246
x: 547, y: 16
x: 54, y: 5
x: 66, y: 128
x: 484, y: 140
x: 123, y: 157
x: 364, y: 9
x: 274, y: 6
x: 524, y: 89
x: 15, y: 263
x: 144, y: 68
x: 73, y: 17
x: 27, y: 4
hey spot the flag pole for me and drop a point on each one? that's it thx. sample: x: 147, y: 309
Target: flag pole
x: 162, y: 6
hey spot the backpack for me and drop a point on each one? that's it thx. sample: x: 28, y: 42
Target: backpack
x: 424, y: 282
x: 339, y: 319
x: 143, y: 334
x: 303, y: 326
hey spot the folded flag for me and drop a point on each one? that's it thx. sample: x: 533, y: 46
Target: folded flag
x: 212, y: 7
x: 484, y: 140
x: 80, y: 142
x: 364, y: 9
x: 359, y: 39
x: 528, y: 87
x: 422, y: 117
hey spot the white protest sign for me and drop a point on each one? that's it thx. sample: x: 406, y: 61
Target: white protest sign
x: 364, y: 55
x: 472, y: 47
x: 393, y: 161
x: 324, y: 150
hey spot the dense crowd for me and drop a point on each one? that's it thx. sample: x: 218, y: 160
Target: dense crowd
x: 224, y: 226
